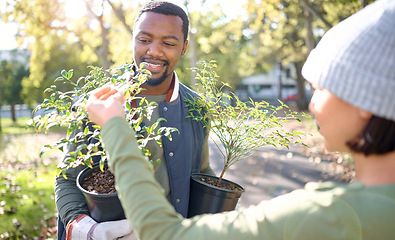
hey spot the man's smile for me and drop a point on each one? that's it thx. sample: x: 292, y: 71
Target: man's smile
x: 153, y: 66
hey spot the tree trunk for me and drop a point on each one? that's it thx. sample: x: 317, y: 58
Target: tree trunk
x: 308, y: 20
x: 280, y: 80
x: 103, y: 51
x: 119, y: 13
x: 193, y: 56
x: 302, y: 103
x: 13, y: 114
x: 0, y: 120
x: 315, y: 13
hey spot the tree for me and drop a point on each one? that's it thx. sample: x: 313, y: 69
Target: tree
x: 5, y: 78
x: 58, y: 42
x: 213, y: 36
x: 11, y: 75
x: 272, y: 31
x: 283, y: 30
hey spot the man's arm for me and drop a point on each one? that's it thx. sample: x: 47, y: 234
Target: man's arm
x: 69, y: 200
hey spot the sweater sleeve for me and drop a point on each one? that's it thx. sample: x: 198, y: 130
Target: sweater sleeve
x: 145, y: 206
x: 321, y: 210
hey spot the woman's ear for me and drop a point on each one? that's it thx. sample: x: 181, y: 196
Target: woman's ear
x: 365, y: 114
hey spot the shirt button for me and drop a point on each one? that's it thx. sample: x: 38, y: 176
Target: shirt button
x: 171, y: 154
x: 178, y: 200
x: 165, y: 109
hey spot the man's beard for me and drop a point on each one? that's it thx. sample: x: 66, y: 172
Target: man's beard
x: 156, y: 81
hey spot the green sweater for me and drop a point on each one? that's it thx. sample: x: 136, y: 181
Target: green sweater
x: 320, y: 211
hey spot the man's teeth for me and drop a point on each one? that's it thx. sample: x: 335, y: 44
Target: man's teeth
x: 153, y: 65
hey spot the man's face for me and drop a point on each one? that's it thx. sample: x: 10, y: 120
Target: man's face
x: 159, y: 43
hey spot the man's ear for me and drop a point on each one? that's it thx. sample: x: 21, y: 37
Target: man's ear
x: 365, y: 114
x: 184, y: 48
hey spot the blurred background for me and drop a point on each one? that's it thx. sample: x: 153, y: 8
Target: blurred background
x: 260, y: 47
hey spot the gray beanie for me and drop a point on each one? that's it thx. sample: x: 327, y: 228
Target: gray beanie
x: 355, y: 60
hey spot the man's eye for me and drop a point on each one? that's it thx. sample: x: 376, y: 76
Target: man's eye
x: 169, y: 44
x: 143, y: 40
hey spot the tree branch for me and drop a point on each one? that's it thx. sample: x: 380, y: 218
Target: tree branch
x: 315, y: 13
x: 119, y: 13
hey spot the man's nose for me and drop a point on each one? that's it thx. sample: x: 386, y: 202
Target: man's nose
x: 155, y: 50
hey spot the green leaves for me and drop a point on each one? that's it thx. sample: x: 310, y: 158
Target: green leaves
x: 68, y: 109
x: 67, y: 75
x: 240, y: 127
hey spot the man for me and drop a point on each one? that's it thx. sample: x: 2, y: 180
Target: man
x: 352, y: 70
x: 160, y: 40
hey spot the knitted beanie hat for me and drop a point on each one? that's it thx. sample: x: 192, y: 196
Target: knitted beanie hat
x: 355, y: 60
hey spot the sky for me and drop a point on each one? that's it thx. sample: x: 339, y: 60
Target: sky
x: 9, y: 30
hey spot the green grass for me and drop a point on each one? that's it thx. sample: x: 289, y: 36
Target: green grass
x: 27, y: 205
x: 19, y: 127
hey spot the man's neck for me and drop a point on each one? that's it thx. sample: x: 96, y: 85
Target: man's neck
x: 160, y: 89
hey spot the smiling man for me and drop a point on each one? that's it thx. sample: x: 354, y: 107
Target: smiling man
x: 159, y: 42
x: 160, y: 35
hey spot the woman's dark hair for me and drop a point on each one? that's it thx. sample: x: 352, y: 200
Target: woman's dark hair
x: 166, y: 8
x: 378, y: 137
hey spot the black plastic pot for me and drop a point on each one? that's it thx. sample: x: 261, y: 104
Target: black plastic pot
x: 206, y: 198
x: 102, y: 207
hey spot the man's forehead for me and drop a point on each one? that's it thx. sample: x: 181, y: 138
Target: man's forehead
x: 150, y: 20
x: 153, y: 16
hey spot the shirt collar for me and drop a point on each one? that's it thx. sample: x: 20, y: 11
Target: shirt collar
x: 172, y: 94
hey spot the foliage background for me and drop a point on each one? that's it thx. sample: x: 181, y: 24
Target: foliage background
x: 27, y: 206
x: 264, y: 33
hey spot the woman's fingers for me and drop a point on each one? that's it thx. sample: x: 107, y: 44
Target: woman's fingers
x: 105, y: 92
x: 108, y: 94
x: 98, y: 93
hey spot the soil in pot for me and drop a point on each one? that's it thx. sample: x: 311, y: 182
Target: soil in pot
x: 100, y: 182
x: 224, y: 185
x: 99, y: 190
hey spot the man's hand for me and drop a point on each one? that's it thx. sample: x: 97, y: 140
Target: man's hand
x: 104, y: 104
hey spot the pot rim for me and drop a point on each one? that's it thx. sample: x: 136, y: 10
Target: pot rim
x: 193, y: 177
x: 94, y: 166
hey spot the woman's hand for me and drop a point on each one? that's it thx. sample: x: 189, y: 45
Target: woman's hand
x: 105, y: 103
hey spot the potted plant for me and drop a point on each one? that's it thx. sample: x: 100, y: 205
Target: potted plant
x: 239, y: 129
x: 67, y: 109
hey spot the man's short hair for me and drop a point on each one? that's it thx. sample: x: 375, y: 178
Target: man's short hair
x: 166, y: 8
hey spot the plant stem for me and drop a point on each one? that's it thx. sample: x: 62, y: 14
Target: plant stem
x: 224, y: 169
